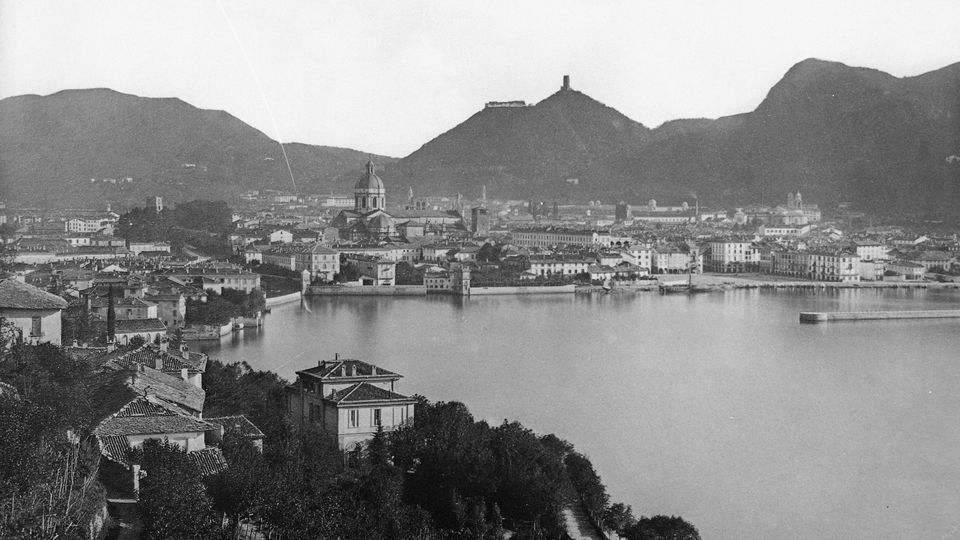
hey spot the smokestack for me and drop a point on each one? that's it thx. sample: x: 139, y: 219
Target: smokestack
x: 566, y: 83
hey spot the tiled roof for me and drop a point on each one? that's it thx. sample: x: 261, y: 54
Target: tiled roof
x: 173, y: 362
x: 361, y: 392
x: 238, y: 423
x: 17, y: 295
x: 347, y: 368
x: 140, y: 325
x: 168, y: 388
x: 149, y: 416
x: 115, y: 448
x: 102, y: 302
x: 208, y: 460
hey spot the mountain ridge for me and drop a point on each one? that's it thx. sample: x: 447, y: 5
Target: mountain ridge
x: 833, y: 131
x: 166, y: 145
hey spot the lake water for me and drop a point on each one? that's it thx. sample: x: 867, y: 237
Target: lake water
x: 718, y: 407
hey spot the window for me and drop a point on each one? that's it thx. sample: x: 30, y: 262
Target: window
x: 354, y: 418
x: 35, y: 326
x: 376, y: 417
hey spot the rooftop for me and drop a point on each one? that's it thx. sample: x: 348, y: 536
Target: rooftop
x: 363, y: 392
x: 347, y: 369
x: 17, y: 295
x: 238, y: 423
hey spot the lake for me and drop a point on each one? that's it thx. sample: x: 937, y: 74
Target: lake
x: 719, y: 407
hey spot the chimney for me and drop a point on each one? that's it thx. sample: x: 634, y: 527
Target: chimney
x: 158, y: 362
x: 135, y: 469
x: 111, y: 316
x: 373, y: 370
x: 353, y: 370
x: 566, y: 83
x: 184, y: 350
x: 163, y: 345
x: 343, y: 370
x: 183, y: 374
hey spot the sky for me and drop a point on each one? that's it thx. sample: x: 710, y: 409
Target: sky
x: 387, y: 76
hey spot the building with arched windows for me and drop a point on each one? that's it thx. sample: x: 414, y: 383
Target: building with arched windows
x: 368, y: 220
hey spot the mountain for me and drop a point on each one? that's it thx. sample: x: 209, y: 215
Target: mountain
x: 523, y: 149
x: 832, y: 131
x: 52, y: 146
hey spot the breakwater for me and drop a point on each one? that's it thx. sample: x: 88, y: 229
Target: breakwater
x: 821, y: 316
x: 284, y: 299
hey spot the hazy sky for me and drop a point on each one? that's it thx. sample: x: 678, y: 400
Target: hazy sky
x: 388, y: 76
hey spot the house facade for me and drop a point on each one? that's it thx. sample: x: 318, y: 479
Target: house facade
x: 349, y: 399
x: 35, y: 313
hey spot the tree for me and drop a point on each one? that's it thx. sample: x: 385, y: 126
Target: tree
x: 243, y: 486
x: 661, y: 528
x: 348, y: 272
x: 173, y: 500
x: 618, y: 517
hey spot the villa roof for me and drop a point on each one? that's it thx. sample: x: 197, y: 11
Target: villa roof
x: 363, y: 392
x: 17, y: 295
x: 346, y: 369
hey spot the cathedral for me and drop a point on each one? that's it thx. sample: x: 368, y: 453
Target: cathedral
x: 369, y: 220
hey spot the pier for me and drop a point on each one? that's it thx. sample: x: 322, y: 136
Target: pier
x: 823, y: 316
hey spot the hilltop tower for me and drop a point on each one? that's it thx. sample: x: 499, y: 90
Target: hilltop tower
x: 369, y: 193
x: 566, y: 83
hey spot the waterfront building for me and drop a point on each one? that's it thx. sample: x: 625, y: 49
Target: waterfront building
x: 843, y: 266
x: 905, y: 270
x: 670, y: 259
x: 834, y: 266
x: 34, y: 313
x: 641, y: 256
x: 559, y: 265
x: 930, y: 259
x: 374, y: 271
x: 317, y: 259
x: 732, y: 256
x: 349, y: 399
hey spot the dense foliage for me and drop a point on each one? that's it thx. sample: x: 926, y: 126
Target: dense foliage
x: 203, y: 225
x: 173, y: 499
x: 48, y: 486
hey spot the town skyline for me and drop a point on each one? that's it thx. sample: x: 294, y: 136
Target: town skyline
x: 325, y: 73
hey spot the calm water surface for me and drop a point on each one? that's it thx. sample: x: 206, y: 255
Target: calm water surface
x: 717, y: 407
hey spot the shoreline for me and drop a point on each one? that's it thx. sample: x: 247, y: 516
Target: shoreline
x: 720, y: 282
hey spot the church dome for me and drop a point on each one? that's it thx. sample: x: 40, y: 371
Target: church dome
x: 369, y: 181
